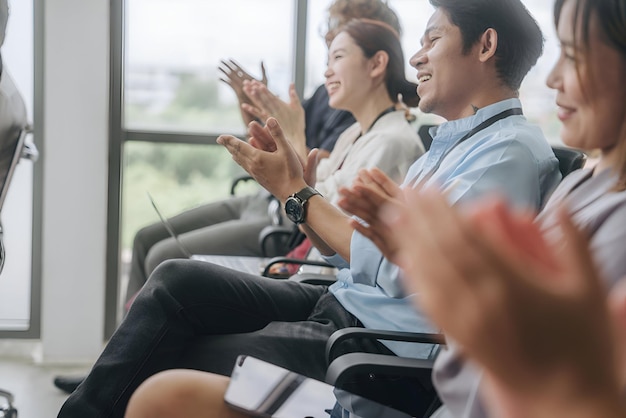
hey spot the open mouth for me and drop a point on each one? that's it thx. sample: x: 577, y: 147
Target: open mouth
x: 423, y: 78
x: 564, y: 113
x: 331, y: 87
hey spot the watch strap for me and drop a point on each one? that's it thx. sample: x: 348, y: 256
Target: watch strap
x: 305, y: 194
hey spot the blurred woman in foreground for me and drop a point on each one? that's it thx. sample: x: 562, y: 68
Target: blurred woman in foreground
x: 529, y: 297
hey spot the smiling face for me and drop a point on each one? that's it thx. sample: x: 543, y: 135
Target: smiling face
x: 347, y: 75
x: 447, y: 77
x: 590, y: 86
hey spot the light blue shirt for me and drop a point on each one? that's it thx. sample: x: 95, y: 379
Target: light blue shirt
x: 510, y: 158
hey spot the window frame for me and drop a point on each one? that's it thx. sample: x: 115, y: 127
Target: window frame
x: 119, y: 135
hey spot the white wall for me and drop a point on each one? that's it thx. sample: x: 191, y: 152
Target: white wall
x: 75, y: 162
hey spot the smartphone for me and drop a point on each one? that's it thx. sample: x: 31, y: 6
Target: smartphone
x: 262, y: 389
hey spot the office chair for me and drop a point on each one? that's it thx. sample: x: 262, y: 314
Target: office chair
x: 401, y: 383
x: 13, y: 131
x: 570, y: 159
x: 6, y: 409
x: 11, y: 150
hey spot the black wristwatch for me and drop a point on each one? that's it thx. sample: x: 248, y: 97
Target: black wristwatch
x: 295, y: 205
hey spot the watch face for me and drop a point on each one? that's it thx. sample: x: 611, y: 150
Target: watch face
x: 294, y: 210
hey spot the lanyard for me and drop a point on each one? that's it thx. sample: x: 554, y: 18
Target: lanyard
x: 383, y: 113
x: 484, y: 125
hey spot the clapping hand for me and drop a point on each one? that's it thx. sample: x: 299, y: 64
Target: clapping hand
x: 235, y: 76
x: 532, y: 312
x: 371, y: 191
x: 263, y: 104
x: 269, y: 158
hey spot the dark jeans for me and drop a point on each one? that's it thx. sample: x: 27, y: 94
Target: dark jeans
x: 198, y: 315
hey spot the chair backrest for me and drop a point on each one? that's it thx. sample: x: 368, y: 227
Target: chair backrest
x: 569, y: 159
x: 425, y: 136
x: 13, y: 130
x: 10, y: 154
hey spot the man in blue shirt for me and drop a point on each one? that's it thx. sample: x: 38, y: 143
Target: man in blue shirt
x: 197, y: 315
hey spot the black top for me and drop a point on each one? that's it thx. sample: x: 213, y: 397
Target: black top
x: 323, y: 123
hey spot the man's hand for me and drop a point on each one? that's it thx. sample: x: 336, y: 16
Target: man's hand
x: 269, y: 158
x: 371, y: 191
x: 310, y: 167
x: 235, y: 76
x: 263, y: 104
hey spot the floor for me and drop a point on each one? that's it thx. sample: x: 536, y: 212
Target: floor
x: 31, y: 384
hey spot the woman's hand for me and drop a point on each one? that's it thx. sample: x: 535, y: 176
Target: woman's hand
x: 532, y: 312
x: 235, y: 76
x: 263, y: 104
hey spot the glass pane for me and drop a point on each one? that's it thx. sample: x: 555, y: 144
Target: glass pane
x: 537, y: 98
x: 177, y: 176
x: 173, y: 49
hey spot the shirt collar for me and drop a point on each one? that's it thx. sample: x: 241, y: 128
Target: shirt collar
x: 459, y: 127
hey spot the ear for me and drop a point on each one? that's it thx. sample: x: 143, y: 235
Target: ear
x: 378, y: 63
x: 488, y: 44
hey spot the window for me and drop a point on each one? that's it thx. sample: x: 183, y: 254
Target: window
x: 174, y: 105
x: 172, y: 54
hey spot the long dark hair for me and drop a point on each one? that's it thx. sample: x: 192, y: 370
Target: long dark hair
x: 611, y: 15
x: 373, y: 36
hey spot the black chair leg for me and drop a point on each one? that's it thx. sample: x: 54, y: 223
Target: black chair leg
x: 6, y: 408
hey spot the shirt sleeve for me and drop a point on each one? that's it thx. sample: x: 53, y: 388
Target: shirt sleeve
x: 504, y: 168
x: 336, y: 260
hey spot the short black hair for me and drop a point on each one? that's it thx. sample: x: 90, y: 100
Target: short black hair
x: 520, y: 41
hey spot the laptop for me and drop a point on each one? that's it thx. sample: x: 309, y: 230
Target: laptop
x: 250, y: 265
x: 170, y: 229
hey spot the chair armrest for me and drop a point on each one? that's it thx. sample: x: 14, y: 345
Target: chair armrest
x: 314, y: 278
x: 279, y: 235
x: 238, y: 180
x: 30, y: 152
x: 375, y: 363
x: 288, y: 260
x: 402, y: 383
x: 357, y: 332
